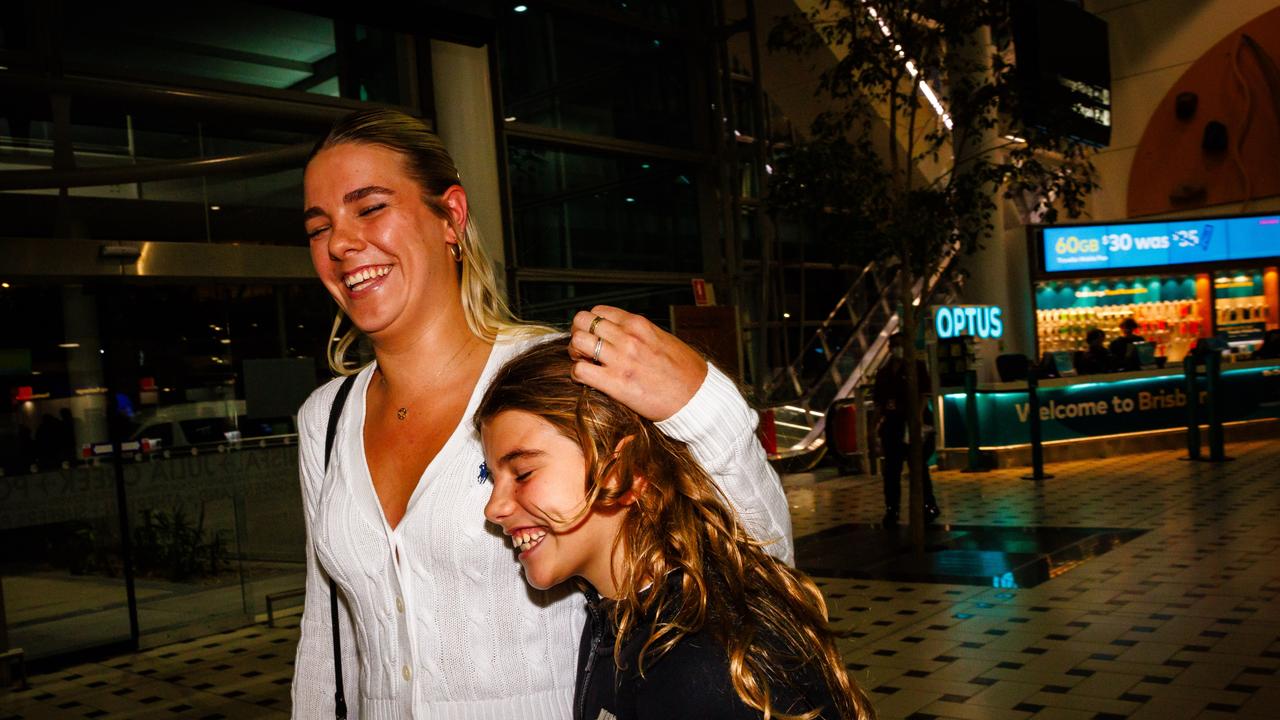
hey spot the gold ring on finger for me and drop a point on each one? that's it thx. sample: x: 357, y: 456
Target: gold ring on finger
x: 595, y: 322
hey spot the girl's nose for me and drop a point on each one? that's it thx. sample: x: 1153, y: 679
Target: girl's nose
x: 500, y: 505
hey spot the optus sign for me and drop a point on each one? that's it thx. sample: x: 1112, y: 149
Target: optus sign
x: 980, y: 321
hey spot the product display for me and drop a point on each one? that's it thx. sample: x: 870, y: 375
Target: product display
x: 1240, y: 310
x: 1172, y: 325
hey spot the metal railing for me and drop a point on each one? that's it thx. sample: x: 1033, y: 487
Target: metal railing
x: 801, y: 393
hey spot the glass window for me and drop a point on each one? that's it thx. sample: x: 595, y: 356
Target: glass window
x: 201, y: 382
x: 556, y: 303
x: 576, y: 73
x: 575, y: 209
x: 240, y: 42
x: 14, y: 27
x: 260, y: 207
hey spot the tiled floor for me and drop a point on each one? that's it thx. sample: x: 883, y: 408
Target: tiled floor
x: 1181, y: 622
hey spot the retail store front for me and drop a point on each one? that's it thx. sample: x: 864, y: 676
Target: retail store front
x: 1117, y: 309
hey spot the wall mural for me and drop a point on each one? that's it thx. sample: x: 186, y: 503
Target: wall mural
x: 1215, y: 138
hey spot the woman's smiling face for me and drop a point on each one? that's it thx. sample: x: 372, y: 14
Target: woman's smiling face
x: 539, y: 495
x: 378, y: 248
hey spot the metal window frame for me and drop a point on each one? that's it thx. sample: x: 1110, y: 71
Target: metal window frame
x: 700, y: 157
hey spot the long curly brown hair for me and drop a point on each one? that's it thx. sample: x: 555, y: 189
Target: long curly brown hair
x: 770, y: 618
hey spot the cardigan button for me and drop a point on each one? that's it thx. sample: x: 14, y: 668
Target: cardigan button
x: 399, y: 604
x: 408, y: 674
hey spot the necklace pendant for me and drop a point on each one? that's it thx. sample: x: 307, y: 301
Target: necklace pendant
x: 402, y: 413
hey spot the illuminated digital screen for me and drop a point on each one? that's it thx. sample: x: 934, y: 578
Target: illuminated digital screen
x: 1144, y: 245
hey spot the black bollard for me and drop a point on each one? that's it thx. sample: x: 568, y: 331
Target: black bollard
x: 972, y: 433
x: 1213, y: 375
x: 1193, y: 407
x: 1033, y: 416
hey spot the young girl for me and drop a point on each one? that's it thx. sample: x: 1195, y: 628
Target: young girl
x: 697, y: 619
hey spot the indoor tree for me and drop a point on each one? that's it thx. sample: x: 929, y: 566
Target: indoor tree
x: 918, y: 141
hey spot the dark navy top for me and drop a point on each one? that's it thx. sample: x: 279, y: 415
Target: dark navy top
x: 690, y: 682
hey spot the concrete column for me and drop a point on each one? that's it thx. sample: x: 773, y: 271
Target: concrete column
x: 464, y: 121
x: 84, y: 363
x: 998, y: 271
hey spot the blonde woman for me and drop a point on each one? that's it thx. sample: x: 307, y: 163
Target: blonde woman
x: 433, y: 618
x: 690, y: 618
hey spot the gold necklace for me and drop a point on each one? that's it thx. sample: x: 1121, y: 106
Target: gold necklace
x: 402, y: 412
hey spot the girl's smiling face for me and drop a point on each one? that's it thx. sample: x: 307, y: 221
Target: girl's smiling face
x: 539, y: 500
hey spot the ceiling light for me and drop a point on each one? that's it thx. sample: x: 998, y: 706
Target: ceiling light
x: 911, y: 68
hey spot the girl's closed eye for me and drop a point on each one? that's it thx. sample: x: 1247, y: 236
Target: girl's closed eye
x: 365, y: 212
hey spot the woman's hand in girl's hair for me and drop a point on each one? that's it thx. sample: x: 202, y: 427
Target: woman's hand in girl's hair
x: 634, y: 361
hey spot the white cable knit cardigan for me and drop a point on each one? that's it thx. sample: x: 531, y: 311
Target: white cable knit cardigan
x: 451, y: 629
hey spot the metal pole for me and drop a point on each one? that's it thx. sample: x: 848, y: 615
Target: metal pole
x: 1193, y: 407
x: 972, y: 432
x: 1037, y: 446
x: 1213, y: 376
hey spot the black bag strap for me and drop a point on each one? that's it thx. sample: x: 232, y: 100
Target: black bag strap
x: 339, y: 695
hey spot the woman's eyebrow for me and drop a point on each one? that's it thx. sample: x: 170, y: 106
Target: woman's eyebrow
x: 364, y: 192
x: 354, y: 195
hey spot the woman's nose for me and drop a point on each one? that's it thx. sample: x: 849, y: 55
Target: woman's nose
x: 344, y: 239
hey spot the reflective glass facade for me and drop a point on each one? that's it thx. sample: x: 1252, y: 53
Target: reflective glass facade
x: 176, y: 399
x: 605, y: 131
x: 591, y: 210
x: 162, y: 321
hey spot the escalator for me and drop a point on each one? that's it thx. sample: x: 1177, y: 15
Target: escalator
x: 842, y: 355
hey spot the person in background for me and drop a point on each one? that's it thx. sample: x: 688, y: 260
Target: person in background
x: 890, y: 396
x: 1123, y: 353
x: 1096, y: 358
x: 1270, y: 348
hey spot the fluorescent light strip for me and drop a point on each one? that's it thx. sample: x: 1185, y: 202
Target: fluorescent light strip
x: 911, y: 68
x: 794, y: 408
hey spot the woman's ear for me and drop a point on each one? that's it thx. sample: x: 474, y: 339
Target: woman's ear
x: 455, y: 203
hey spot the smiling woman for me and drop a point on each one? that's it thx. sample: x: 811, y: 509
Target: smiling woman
x: 428, y: 600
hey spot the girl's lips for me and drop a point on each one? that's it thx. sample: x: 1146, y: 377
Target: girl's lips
x: 528, y: 538
x: 530, y: 551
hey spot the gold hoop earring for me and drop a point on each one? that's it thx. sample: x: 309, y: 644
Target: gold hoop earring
x: 456, y: 250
